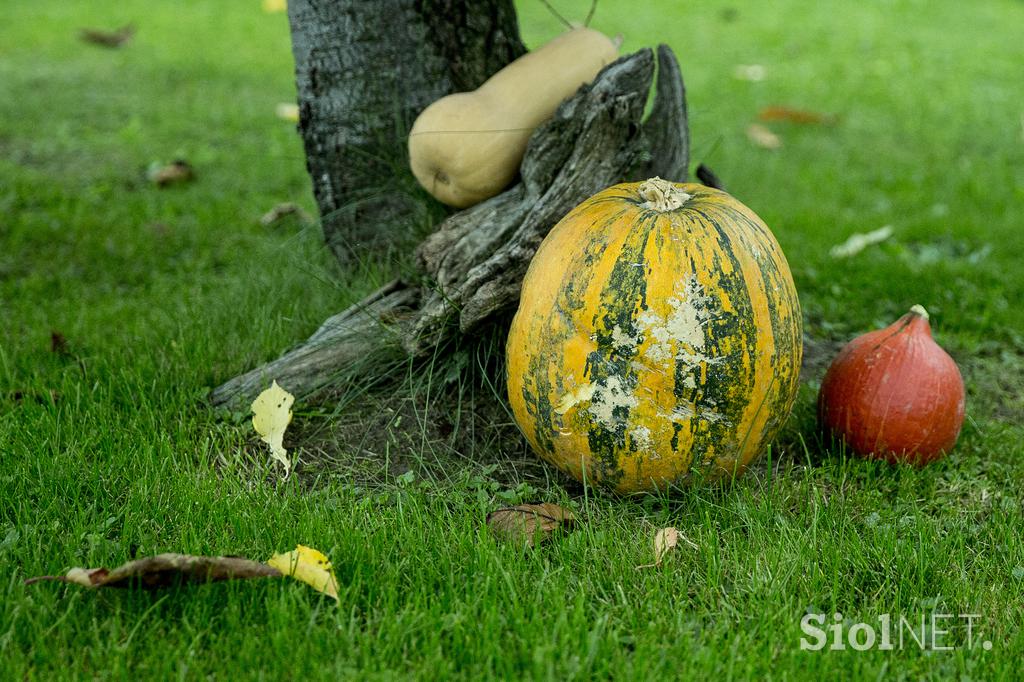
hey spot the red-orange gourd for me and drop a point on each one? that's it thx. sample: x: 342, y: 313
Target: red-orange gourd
x: 894, y: 394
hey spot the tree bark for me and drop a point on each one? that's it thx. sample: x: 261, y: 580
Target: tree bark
x: 364, y: 70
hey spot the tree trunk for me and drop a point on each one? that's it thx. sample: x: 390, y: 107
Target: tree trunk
x: 364, y: 71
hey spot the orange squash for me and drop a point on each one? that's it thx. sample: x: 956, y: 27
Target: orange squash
x: 894, y: 394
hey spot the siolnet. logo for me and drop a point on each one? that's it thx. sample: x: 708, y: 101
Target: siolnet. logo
x: 934, y: 631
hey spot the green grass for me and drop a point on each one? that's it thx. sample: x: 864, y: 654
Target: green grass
x: 107, y: 450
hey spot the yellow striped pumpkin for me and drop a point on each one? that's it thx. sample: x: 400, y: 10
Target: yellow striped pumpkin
x: 658, y: 338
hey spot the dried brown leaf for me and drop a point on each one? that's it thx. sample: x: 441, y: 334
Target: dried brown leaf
x: 763, y: 137
x: 59, y: 346
x: 115, y: 38
x: 166, y: 569
x: 530, y: 523
x: 665, y: 541
x: 176, y: 172
x: 801, y: 116
x: 49, y: 397
x: 59, y: 343
x: 281, y: 211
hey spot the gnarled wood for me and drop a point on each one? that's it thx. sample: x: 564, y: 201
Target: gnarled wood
x: 378, y: 322
x: 667, y: 128
x: 363, y: 71
x: 475, y: 261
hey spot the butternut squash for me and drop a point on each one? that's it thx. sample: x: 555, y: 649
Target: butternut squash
x: 467, y: 147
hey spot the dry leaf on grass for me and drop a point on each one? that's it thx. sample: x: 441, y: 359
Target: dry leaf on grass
x: 303, y: 563
x: 274, y: 6
x: 666, y: 540
x: 276, y: 214
x: 288, y: 111
x: 309, y: 566
x: 860, y: 241
x: 115, y: 38
x: 749, y: 72
x: 50, y: 397
x: 529, y: 523
x: 60, y: 347
x: 763, y: 137
x: 801, y: 116
x: 59, y: 343
x: 163, y: 570
x: 176, y: 172
x: 271, y: 414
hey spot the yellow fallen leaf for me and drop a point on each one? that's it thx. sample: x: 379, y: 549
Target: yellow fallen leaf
x: 763, y: 137
x: 309, y: 566
x: 288, y: 111
x: 273, y: 6
x: 271, y: 414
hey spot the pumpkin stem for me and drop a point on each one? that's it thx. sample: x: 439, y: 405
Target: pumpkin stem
x: 662, y: 195
x: 919, y: 311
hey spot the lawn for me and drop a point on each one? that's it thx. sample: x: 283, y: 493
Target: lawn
x: 122, y: 304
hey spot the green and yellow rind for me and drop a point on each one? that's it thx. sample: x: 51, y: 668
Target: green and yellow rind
x: 652, y: 348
